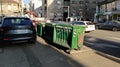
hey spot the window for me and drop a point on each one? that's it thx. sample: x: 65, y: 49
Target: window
x: 81, y: 2
x: 45, y: 8
x: 15, y: 7
x: 9, y: 6
x: 87, y: 2
x: 94, y: 2
x: 74, y: 2
x: 45, y: 1
x: 2, y: 7
x: 58, y: 2
x: 94, y: 9
x: 16, y: 21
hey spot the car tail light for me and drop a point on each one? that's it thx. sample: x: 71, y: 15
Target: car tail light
x: 5, y: 38
x: 32, y: 27
x: 86, y: 26
x: 3, y: 29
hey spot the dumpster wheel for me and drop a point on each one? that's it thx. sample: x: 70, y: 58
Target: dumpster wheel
x: 72, y: 51
x: 68, y: 51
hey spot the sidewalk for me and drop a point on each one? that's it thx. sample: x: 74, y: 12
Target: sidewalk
x: 89, y: 57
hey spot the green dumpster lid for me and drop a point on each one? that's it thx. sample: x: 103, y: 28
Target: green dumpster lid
x: 77, y: 26
x: 64, y: 24
x: 51, y: 24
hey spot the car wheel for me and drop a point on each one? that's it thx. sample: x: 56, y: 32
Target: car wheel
x: 87, y: 31
x: 96, y: 27
x: 33, y: 41
x: 114, y: 29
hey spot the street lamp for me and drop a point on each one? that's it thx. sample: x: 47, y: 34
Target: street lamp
x: 68, y: 11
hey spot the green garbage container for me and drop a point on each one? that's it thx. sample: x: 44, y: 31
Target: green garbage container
x: 49, y: 31
x: 40, y: 29
x: 69, y: 36
x: 77, y: 36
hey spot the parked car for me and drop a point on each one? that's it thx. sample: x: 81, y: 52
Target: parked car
x: 89, y: 26
x: 110, y: 25
x: 17, y: 29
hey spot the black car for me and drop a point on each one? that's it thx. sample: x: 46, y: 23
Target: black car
x: 17, y: 29
x: 110, y: 25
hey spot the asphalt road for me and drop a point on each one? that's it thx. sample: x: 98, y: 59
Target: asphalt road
x: 105, y: 41
x: 42, y: 54
x: 34, y: 55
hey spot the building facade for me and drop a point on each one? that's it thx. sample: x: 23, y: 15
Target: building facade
x: 38, y: 7
x: 54, y: 9
x: 83, y: 8
x: 62, y: 9
x: 10, y: 8
x: 108, y: 10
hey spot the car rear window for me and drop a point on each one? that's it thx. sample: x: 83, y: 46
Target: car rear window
x: 16, y: 21
x: 78, y: 23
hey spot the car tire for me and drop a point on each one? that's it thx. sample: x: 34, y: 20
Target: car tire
x: 87, y: 31
x: 96, y: 27
x: 114, y: 29
x: 33, y: 41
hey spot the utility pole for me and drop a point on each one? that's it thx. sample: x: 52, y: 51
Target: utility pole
x: 68, y: 11
x: 47, y: 16
x: 1, y: 8
x: 21, y: 7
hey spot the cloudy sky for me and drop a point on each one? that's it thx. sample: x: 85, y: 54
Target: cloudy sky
x: 26, y: 1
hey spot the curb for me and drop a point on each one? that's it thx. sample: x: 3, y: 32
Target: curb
x: 82, y: 50
x: 108, y: 56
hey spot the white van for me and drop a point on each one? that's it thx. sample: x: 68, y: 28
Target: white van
x: 89, y: 26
